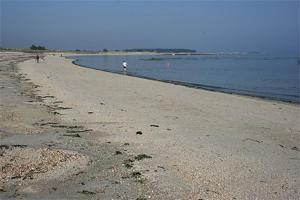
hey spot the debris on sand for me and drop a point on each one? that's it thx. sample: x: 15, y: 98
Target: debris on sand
x: 154, y: 125
x: 45, y: 123
x: 295, y: 148
x: 128, y: 163
x: 253, y: 140
x: 56, y: 113
x: 47, y: 96
x: 139, y: 132
x: 142, y: 156
x: 136, y: 174
x: 66, y: 126
x: 141, y: 198
x: 86, y: 192
x: 63, y: 108
x: 79, y: 131
x: 138, y: 177
x: 72, y: 135
x: 57, y: 102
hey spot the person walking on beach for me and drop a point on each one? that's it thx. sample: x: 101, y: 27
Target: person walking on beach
x: 124, y: 63
x: 37, y: 58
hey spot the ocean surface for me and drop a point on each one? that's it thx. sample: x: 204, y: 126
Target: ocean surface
x: 261, y: 76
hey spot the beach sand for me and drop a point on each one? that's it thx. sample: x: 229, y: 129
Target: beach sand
x: 201, y: 144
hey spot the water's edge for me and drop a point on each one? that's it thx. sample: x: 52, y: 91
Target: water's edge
x: 193, y: 85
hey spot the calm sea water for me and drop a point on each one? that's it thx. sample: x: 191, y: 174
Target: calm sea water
x: 261, y: 76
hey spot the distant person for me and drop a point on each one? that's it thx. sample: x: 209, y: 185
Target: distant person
x: 124, y: 63
x: 37, y: 58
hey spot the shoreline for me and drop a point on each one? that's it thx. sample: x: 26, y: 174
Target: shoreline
x: 195, y: 86
x: 196, y: 143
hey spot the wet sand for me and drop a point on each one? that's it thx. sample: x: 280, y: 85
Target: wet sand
x: 172, y: 142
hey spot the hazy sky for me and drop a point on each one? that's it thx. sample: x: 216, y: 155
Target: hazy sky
x: 269, y: 26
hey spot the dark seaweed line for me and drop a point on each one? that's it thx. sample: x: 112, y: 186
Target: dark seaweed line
x: 197, y: 86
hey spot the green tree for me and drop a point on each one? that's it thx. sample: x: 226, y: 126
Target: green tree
x: 33, y: 47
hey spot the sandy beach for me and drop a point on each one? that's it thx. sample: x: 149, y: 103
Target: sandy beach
x: 170, y: 141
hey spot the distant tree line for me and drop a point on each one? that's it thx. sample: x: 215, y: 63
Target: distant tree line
x: 159, y: 50
x: 78, y: 50
x: 33, y: 47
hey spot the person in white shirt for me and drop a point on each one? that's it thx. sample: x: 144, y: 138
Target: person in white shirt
x: 124, y: 63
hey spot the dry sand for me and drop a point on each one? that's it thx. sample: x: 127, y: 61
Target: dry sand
x: 203, y: 145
